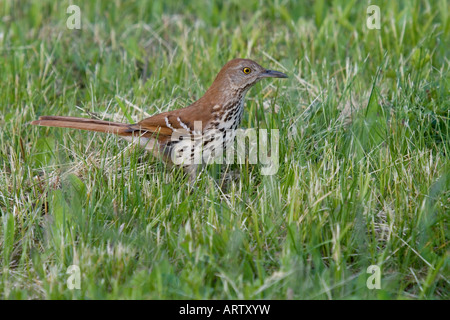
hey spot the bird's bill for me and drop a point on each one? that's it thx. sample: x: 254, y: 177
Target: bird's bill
x: 273, y: 74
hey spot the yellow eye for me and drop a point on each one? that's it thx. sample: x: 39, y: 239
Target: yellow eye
x: 247, y: 70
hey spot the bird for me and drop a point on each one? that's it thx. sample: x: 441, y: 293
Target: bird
x: 179, y: 136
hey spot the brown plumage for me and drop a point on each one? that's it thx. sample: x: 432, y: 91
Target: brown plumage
x: 218, y: 110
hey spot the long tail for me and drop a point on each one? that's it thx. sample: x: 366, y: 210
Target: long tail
x: 121, y: 129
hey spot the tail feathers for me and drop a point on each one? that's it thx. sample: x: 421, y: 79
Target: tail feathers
x: 121, y: 129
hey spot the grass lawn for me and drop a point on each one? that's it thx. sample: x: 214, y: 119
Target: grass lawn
x: 364, y: 175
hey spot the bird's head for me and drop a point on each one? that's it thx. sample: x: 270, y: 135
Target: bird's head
x: 241, y: 74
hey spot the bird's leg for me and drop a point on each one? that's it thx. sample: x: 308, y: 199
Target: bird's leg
x: 191, y: 170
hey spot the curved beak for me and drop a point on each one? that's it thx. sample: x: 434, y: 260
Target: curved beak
x: 272, y: 74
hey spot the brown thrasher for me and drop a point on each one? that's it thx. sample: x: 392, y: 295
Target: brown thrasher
x: 208, y: 124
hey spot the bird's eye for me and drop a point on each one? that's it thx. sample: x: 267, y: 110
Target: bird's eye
x: 247, y: 70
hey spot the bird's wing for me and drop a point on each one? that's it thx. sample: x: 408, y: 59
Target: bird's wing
x: 163, y: 125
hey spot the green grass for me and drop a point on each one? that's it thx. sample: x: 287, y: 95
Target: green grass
x: 364, y: 175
